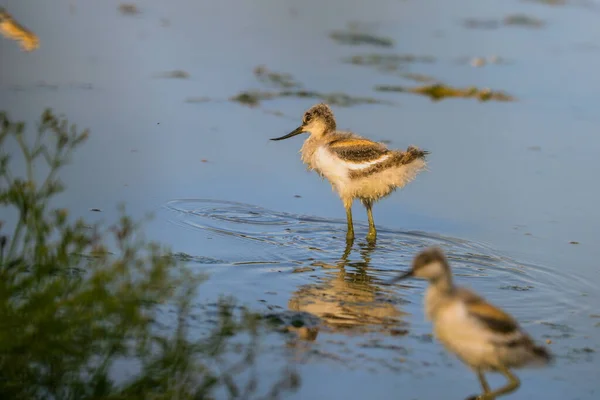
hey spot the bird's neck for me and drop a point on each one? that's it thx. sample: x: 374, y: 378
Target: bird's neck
x: 443, y: 284
x: 308, y: 150
x: 438, y: 292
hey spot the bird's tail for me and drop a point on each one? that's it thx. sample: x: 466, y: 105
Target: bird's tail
x: 542, y: 355
x: 413, y: 153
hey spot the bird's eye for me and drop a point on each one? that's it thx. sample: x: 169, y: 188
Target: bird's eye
x: 307, y: 118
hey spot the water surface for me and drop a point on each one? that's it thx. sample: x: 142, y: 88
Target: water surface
x: 510, y: 186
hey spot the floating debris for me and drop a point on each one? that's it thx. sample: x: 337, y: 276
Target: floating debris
x: 509, y: 20
x: 95, y: 210
x: 253, y: 98
x: 338, y: 99
x: 188, y: 258
x: 128, y: 9
x: 584, y: 350
x: 302, y: 269
x: 440, y: 91
x: 523, y: 20
x: 379, y: 344
x: 175, y: 74
x: 478, y: 62
x: 276, y: 79
x: 52, y: 86
x: 293, y: 319
x: 388, y: 62
x: 11, y: 29
x: 473, y: 23
x: 418, y: 77
x: 573, y: 242
x: 517, y: 288
x: 563, y: 328
x: 360, y: 38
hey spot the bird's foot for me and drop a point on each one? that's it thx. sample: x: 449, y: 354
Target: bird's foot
x: 372, y: 235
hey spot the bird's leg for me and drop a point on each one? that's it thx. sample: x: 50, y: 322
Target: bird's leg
x: 372, y: 235
x: 483, y: 381
x: 512, y: 385
x: 350, y: 231
x: 484, y: 385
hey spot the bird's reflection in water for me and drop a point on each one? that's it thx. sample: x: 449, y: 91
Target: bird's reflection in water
x: 348, y: 299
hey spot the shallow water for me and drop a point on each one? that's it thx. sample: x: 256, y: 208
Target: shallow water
x: 510, y: 184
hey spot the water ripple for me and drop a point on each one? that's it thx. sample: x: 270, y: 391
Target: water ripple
x: 347, y: 291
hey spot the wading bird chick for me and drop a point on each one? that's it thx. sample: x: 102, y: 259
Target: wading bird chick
x: 483, y: 336
x: 357, y: 168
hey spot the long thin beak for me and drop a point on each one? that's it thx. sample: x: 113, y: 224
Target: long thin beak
x: 400, y: 277
x: 295, y: 132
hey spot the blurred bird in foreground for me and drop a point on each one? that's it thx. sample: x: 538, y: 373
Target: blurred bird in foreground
x: 483, y: 336
x: 357, y: 168
x: 13, y: 30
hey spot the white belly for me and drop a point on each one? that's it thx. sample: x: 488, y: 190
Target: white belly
x: 331, y: 167
x: 337, y: 172
x: 461, y: 335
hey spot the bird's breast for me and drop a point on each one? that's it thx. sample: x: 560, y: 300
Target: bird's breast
x: 330, y: 166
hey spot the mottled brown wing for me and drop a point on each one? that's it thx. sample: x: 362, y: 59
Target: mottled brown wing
x: 489, y: 315
x: 357, y: 150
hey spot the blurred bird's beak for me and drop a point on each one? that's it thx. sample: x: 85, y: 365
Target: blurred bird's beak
x: 295, y: 132
x: 400, y: 277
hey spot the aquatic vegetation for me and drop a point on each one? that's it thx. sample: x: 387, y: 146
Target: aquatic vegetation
x: 128, y: 9
x: 11, y: 29
x: 474, y: 23
x: 387, y: 62
x: 510, y: 20
x: 354, y: 35
x: 523, y: 20
x: 439, y: 91
x: 336, y: 98
x: 285, y: 82
x: 358, y: 38
x: 517, y: 288
x: 42, y: 85
x: 417, y: 77
x: 83, y: 306
x: 253, y: 98
x: 275, y: 79
x: 188, y: 258
x: 175, y: 74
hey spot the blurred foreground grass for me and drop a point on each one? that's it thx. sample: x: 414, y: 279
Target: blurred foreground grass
x: 80, y: 304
